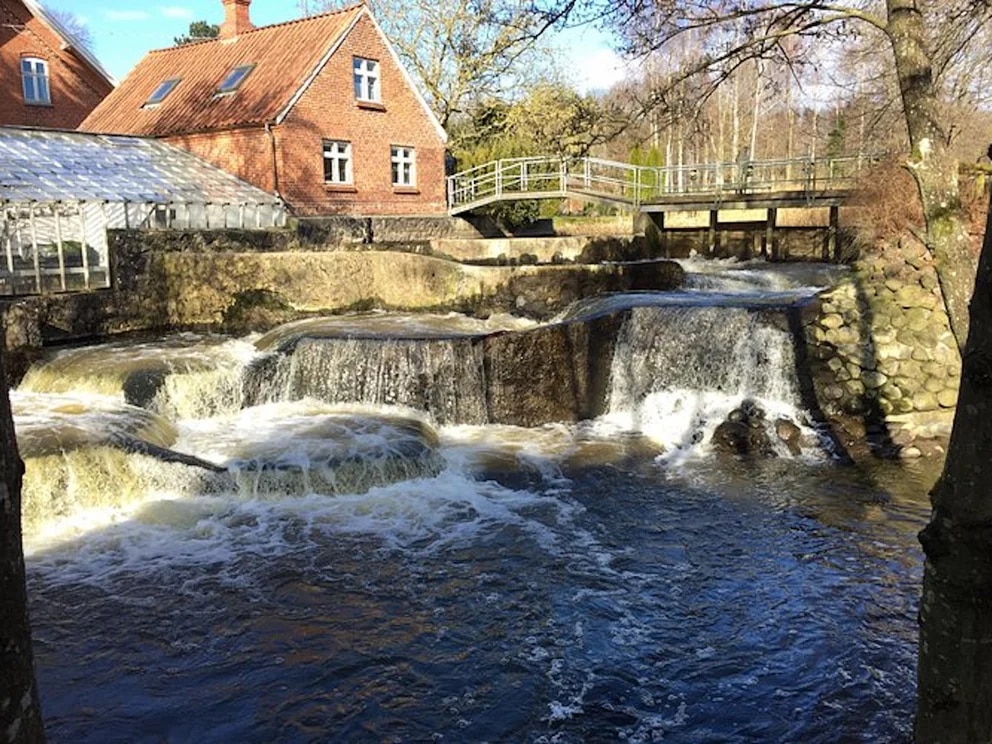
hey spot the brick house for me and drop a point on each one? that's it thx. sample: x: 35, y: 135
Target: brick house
x: 47, y: 78
x: 319, y: 111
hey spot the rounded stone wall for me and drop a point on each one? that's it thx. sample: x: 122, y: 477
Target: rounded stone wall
x: 883, y: 357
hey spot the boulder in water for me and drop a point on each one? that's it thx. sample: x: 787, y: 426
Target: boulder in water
x: 744, y: 432
x: 790, y: 434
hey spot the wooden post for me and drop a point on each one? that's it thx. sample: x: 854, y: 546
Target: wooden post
x: 832, y: 245
x: 770, y: 249
x: 713, y: 236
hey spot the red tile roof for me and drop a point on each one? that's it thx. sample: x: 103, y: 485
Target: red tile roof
x: 285, y: 55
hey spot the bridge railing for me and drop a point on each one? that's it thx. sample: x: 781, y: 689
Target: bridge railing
x: 636, y: 185
x: 506, y: 178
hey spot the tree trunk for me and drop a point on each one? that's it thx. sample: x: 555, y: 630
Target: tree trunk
x: 20, y: 713
x: 954, y: 704
x: 933, y: 167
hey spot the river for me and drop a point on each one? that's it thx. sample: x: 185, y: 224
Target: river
x: 367, y: 570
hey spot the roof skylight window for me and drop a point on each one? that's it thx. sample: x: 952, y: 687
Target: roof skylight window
x: 234, y: 79
x: 164, y: 88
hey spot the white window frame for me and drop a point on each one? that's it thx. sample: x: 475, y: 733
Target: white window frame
x: 403, y: 162
x: 338, y: 154
x: 367, y: 80
x: 35, y: 81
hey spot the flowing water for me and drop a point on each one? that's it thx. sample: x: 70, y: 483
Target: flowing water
x: 224, y: 546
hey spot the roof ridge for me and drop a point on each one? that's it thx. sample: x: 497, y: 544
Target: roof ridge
x: 290, y: 22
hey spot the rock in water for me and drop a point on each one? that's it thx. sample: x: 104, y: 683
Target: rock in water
x: 744, y: 432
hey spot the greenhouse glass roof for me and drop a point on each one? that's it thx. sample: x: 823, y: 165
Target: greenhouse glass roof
x: 48, y: 165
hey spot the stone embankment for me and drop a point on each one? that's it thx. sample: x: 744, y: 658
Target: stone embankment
x: 883, y: 357
x: 240, y: 281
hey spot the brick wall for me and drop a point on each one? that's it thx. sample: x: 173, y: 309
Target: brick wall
x: 328, y: 110
x: 76, y: 88
x: 247, y: 153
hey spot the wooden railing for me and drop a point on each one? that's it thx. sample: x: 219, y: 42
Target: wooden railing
x: 638, y: 185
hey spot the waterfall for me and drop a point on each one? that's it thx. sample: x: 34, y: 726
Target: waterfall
x: 321, y: 407
x: 184, y: 376
x: 441, y: 377
x: 678, y: 372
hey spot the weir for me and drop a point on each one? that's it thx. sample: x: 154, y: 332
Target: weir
x: 502, y: 529
x: 671, y: 367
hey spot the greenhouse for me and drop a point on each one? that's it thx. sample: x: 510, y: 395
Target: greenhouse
x: 61, y: 191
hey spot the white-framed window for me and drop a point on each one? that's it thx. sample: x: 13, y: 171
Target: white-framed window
x: 404, y: 162
x: 34, y: 81
x: 367, y: 86
x: 337, y: 162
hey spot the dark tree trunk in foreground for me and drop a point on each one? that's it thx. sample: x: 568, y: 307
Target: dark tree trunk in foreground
x: 20, y: 713
x: 955, y: 668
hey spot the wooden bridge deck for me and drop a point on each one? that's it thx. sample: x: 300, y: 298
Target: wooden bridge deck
x: 767, y: 184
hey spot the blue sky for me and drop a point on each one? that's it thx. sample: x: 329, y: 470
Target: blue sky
x: 123, y: 31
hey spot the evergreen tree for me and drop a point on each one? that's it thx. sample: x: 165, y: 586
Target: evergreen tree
x: 198, y: 31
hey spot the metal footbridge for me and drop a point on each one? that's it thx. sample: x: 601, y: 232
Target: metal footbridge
x: 768, y: 184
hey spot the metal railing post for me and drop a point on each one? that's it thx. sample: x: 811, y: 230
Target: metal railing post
x: 59, y: 247
x: 82, y: 243
x: 9, y: 241
x: 34, y: 248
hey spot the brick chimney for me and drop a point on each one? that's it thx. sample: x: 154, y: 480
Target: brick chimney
x: 236, y: 19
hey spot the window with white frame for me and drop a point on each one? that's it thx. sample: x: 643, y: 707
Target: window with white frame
x: 34, y: 81
x: 367, y: 87
x: 404, y: 160
x: 337, y: 162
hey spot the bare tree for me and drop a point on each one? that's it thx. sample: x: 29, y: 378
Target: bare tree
x: 923, y: 36
x: 464, y: 51
x: 75, y: 27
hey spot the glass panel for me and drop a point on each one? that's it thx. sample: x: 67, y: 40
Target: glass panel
x: 337, y: 162
x: 34, y: 80
x: 164, y: 88
x: 234, y: 78
x: 366, y: 73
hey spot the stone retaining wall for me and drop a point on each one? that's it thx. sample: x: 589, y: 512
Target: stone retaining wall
x: 884, y: 360
x: 172, y: 280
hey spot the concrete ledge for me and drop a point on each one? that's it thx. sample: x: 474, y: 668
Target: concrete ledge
x: 577, y: 249
x: 161, y: 289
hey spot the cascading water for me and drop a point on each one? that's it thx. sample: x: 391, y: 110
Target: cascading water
x: 440, y: 376
x: 678, y: 372
x: 331, y: 542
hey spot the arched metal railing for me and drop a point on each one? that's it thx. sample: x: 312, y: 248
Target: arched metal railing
x: 637, y: 186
